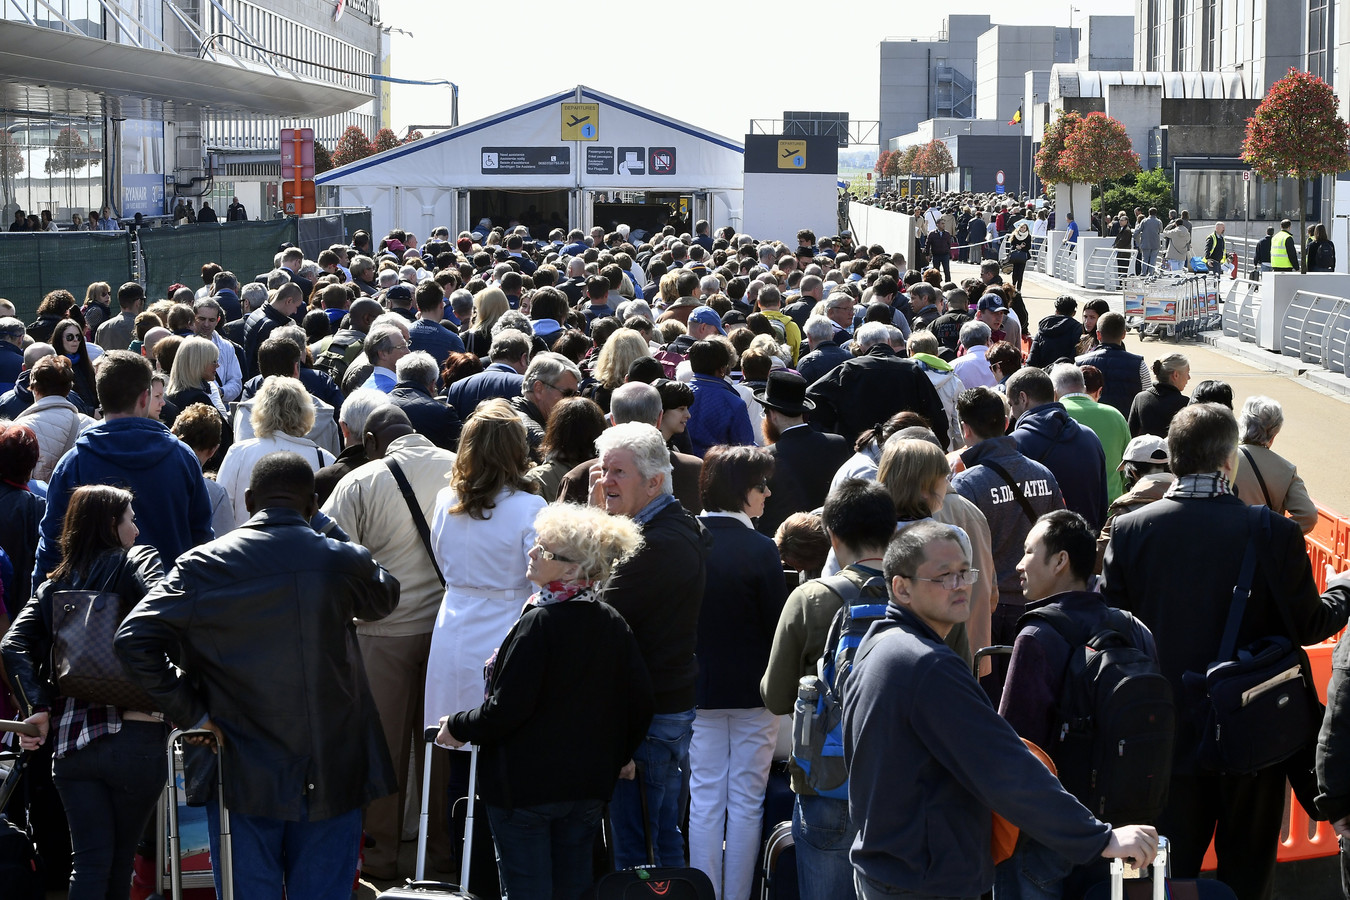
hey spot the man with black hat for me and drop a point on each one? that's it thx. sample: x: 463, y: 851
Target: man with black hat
x: 804, y: 459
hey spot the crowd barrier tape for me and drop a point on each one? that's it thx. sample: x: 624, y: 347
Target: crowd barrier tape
x: 1301, y: 837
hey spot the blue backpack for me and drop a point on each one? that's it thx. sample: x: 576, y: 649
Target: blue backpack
x: 818, y: 716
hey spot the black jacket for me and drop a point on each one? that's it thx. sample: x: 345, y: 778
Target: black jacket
x: 27, y: 646
x: 1123, y: 374
x: 869, y: 389
x: 1153, y: 409
x: 804, y: 462
x: 568, y: 677
x: 434, y: 419
x: 257, y: 328
x: 260, y: 622
x: 20, y: 513
x: 1143, y: 573
x: 658, y: 592
x: 1056, y: 338
x: 742, y: 602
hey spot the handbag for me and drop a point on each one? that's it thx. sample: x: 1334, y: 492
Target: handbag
x: 1258, y: 705
x: 84, y: 664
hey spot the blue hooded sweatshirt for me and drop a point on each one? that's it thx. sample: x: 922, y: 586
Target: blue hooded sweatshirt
x: 172, y: 507
x: 1048, y: 435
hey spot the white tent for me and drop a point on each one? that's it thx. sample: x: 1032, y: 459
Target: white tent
x: 579, y: 144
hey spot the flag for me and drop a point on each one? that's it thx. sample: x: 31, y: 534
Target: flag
x: 1017, y: 116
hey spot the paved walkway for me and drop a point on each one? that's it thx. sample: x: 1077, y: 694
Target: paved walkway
x: 1317, y: 420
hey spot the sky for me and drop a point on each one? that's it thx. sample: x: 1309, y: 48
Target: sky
x: 713, y: 65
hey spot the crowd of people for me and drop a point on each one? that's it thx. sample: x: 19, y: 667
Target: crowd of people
x: 592, y: 505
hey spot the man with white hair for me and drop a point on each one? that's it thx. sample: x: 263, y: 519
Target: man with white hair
x: 351, y: 420
x: 658, y: 591
x: 825, y: 350
x: 1102, y: 419
x: 973, y: 368
x: 549, y: 379
x: 709, y: 285
x: 873, y: 386
x: 1263, y: 476
x: 387, y: 279
x: 415, y: 394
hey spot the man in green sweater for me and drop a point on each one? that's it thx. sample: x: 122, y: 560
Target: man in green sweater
x: 859, y: 517
x: 1104, y: 420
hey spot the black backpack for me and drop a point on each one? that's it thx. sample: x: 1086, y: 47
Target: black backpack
x: 1115, y: 719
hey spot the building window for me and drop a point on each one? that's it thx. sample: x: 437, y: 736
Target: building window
x: 1318, y: 38
x: 1219, y: 194
x: 1209, y: 28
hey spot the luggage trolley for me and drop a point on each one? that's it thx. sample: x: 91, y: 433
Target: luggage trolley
x: 1172, y: 305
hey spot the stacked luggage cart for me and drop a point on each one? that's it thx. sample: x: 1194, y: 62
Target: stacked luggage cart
x: 1173, y: 305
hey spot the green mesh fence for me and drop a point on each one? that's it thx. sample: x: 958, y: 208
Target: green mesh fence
x: 33, y: 264
x: 318, y: 233
x: 176, y: 254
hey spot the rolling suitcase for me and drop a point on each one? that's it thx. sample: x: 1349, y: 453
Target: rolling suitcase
x: 419, y: 888
x: 779, y: 869
x: 651, y: 880
x: 174, y: 831
x: 1158, y: 886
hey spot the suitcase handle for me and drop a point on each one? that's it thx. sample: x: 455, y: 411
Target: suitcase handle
x: 226, y: 861
x: 424, y: 818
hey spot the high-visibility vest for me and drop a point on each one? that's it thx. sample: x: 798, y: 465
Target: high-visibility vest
x: 1279, y: 251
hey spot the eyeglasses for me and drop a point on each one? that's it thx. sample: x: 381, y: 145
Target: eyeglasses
x: 762, y: 486
x: 538, y: 550
x: 953, y: 580
x: 566, y: 392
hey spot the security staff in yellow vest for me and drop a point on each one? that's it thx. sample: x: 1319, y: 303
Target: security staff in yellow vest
x: 1284, y: 249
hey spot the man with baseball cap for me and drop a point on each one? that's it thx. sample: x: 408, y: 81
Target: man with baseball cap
x: 703, y: 324
x: 1145, y: 478
x: 991, y: 312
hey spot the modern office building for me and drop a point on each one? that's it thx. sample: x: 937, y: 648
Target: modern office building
x: 1006, y: 54
x: 926, y: 78
x: 132, y: 105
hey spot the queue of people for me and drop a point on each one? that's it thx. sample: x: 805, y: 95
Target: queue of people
x: 541, y: 496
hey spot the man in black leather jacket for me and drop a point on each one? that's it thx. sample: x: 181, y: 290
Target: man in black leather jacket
x: 261, y: 623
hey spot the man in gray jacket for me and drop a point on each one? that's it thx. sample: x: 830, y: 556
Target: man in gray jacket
x: 1148, y: 238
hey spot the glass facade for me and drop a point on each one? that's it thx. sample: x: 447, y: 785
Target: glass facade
x: 1220, y: 195
x: 52, y: 164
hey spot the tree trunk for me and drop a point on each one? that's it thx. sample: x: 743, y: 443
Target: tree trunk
x: 1302, y: 241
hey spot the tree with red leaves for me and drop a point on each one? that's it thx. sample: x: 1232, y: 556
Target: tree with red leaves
x: 1048, y: 166
x: 352, y: 146
x: 1297, y: 132
x: 414, y: 136
x: 933, y: 159
x: 883, y: 161
x: 1097, y: 150
x: 385, y: 139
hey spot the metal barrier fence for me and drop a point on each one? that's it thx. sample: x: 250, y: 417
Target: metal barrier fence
x: 318, y: 233
x: 1241, y: 300
x: 1065, y: 262
x: 36, y: 263
x: 1108, y: 268
x: 1315, y: 329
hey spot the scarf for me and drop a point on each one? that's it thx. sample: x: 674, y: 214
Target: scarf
x: 1206, y: 484
x: 562, y: 591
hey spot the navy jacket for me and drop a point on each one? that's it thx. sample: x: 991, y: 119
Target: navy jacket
x: 1073, y: 452
x: 431, y: 417
x: 11, y: 364
x: 497, y: 380
x: 173, y: 509
x: 1056, y: 338
x: 820, y: 361
x: 1124, y: 374
x: 434, y: 338
x: 920, y: 734
x: 742, y: 601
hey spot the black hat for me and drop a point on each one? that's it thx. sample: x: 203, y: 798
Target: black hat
x: 785, y: 392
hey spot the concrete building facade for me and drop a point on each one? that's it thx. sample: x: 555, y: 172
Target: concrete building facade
x: 1007, y: 53
x: 925, y: 78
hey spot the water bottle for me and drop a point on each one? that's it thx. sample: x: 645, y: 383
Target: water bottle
x: 804, y: 713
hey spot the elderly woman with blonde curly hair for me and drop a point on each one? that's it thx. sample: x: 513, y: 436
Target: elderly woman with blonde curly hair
x: 282, y: 415
x: 569, y: 677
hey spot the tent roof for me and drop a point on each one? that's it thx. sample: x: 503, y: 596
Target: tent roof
x: 344, y: 175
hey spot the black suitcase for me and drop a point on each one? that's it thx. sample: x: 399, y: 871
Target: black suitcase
x: 778, y: 870
x: 1158, y: 886
x: 651, y: 880
x: 419, y: 888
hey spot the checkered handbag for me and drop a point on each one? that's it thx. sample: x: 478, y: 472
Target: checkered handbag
x: 84, y: 665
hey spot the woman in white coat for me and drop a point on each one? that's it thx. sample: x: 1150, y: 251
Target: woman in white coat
x: 481, y: 534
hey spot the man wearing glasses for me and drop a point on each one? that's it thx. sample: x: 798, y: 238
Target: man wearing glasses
x: 549, y: 379
x: 912, y: 706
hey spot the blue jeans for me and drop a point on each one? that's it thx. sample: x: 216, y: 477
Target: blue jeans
x: 561, y: 833
x: 663, y: 757
x: 822, y: 835
x: 305, y: 860
x: 109, y: 788
x: 1033, y: 872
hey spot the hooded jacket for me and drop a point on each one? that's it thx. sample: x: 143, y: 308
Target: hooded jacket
x: 1072, y: 452
x: 173, y: 509
x: 1056, y: 338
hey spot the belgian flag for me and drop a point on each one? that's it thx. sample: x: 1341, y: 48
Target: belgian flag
x: 1017, y: 116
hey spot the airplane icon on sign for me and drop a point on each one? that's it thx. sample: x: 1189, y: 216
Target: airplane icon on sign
x: 575, y: 121
x: 787, y: 153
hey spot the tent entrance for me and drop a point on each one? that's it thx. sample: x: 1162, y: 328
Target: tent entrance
x: 648, y: 211
x: 539, y: 211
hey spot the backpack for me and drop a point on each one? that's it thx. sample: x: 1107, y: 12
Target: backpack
x: 339, y: 353
x: 1116, y: 719
x: 669, y: 359
x: 818, y: 717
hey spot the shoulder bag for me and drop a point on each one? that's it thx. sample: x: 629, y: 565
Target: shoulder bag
x: 84, y: 664
x: 1257, y: 705
x: 419, y: 520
